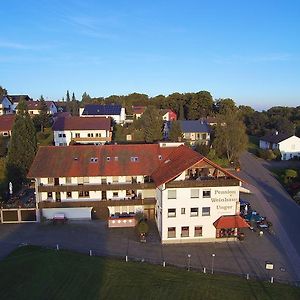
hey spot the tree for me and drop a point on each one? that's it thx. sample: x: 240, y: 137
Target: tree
x: 22, y: 147
x: 181, y: 112
x: 44, y: 117
x: 224, y: 105
x: 73, y: 97
x: 175, y: 133
x: 230, y: 137
x: 86, y: 98
x: 68, y: 96
x: 152, y: 123
x: 200, y: 105
x: 3, y: 92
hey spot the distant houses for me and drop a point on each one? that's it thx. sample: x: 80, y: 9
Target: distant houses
x: 34, y: 107
x: 116, y: 112
x: 80, y: 130
x: 287, y: 144
x: 193, y: 131
x: 6, y: 125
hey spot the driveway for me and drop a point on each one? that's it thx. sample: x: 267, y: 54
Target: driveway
x: 276, y: 204
x: 241, y: 257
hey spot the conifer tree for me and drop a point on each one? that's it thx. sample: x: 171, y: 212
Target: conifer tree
x: 44, y: 117
x: 73, y: 97
x: 175, y: 134
x: 22, y: 147
x: 152, y: 123
x: 68, y: 96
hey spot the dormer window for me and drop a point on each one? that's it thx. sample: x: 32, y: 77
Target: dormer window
x: 159, y: 157
x: 108, y: 158
x: 116, y: 158
x: 94, y: 159
x: 134, y: 159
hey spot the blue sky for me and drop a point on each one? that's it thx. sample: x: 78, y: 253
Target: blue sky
x: 246, y: 50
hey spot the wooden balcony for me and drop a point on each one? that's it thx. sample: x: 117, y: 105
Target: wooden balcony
x: 96, y: 187
x: 97, y: 203
x: 203, y: 183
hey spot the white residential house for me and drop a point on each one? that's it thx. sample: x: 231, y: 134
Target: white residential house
x: 34, y: 107
x: 287, y: 144
x: 191, y: 198
x: 116, y: 112
x: 80, y: 130
x: 6, y: 106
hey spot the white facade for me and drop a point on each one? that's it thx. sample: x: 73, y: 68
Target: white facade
x: 193, y: 208
x: 119, y: 119
x: 64, y: 137
x: 289, y: 148
x: 6, y: 106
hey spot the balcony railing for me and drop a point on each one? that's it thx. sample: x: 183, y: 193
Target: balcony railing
x: 203, y: 183
x: 96, y: 187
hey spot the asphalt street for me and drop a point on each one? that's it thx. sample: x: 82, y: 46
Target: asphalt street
x: 276, y: 204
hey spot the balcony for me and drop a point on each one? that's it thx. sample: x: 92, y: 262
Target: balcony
x: 97, y: 203
x: 207, y: 182
x: 96, y: 187
x: 91, y: 139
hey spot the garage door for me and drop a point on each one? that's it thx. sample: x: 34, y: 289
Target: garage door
x: 79, y: 213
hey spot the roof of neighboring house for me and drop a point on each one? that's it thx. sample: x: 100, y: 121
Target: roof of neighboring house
x: 138, y: 109
x: 5, y: 97
x: 167, y: 110
x: 17, y: 98
x: 79, y: 123
x: 227, y: 222
x: 35, y: 105
x: 98, y: 109
x: 194, y: 126
x: 7, y: 122
x: 275, y: 137
x: 68, y: 161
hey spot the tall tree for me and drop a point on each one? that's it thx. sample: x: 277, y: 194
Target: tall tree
x: 230, y: 136
x: 175, y: 134
x: 224, y: 105
x: 181, y: 112
x: 152, y: 123
x: 22, y: 147
x: 3, y: 92
x: 85, y: 98
x: 68, y: 96
x: 43, y: 117
x: 73, y: 97
x: 200, y: 105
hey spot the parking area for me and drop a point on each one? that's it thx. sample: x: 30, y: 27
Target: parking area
x: 240, y: 257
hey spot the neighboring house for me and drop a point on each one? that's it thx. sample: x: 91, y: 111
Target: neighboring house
x: 137, y: 111
x: 6, y: 106
x: 34, y: 107
x: 191, y: 198
x: 15, y: 99
x: 168, y: 115
x: 82, y: 130
x: 116, y: 112
x: 194, y: 132
x: 6, y: 124
x: 287, y: 144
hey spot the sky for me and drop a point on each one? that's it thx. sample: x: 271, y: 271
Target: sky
x: 245, y: 50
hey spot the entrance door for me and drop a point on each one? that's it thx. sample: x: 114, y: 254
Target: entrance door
x: 57, y: 197
x: 103, y: 197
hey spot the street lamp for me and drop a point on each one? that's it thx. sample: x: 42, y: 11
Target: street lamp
x: 212, y: 262
x: 189, y: 262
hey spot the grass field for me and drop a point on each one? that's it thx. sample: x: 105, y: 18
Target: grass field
x: 37, y: 273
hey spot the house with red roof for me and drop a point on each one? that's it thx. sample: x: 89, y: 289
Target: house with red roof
x: 34, y: 107
x: 191, y: 198
x: 79, y: 130
x: 6, y: 124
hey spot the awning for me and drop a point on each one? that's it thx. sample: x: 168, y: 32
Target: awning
x: 230, y: 222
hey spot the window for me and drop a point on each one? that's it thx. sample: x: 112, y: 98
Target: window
x: 77, y: 135
x: 159, y: 157
x: 49, y: 195
x: 103, y: 180
x: 184, y: 231
x: 171, y: 232
x: 86, y: 179
x: 206, y: 194
x: 60, y: 135
x: 134, y: 159
x: 198, y: 231
x: 194, y: 193
x: 115, y: 179
x: 203, y: 136
x: 80, y: 194
x: 64, y: 135
x: 194, y: 212
x: 108, y: 158
x: 80, y: 180
x: 50, y: 180
x: 115, y: 194
x: 205, y: 211
x: 87, y: 194
x: 171, y: 212
x: 171, y: 194
x: 183, y: 211
x: 69, y: 194
x: 68, y: 180
x: 94, y: 159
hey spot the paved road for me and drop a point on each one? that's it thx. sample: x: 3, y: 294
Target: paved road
x: 276, y: 203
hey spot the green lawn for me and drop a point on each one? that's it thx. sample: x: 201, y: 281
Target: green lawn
x: 37, y: 273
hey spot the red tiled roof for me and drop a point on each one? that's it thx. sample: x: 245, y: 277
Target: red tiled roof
x: 178, y: 161
x: 7, y: 122
x: 230, y: 222
x: 35, y: 105
x: 138, y: 109
x: 80, y: 123
x: 74, y: 161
